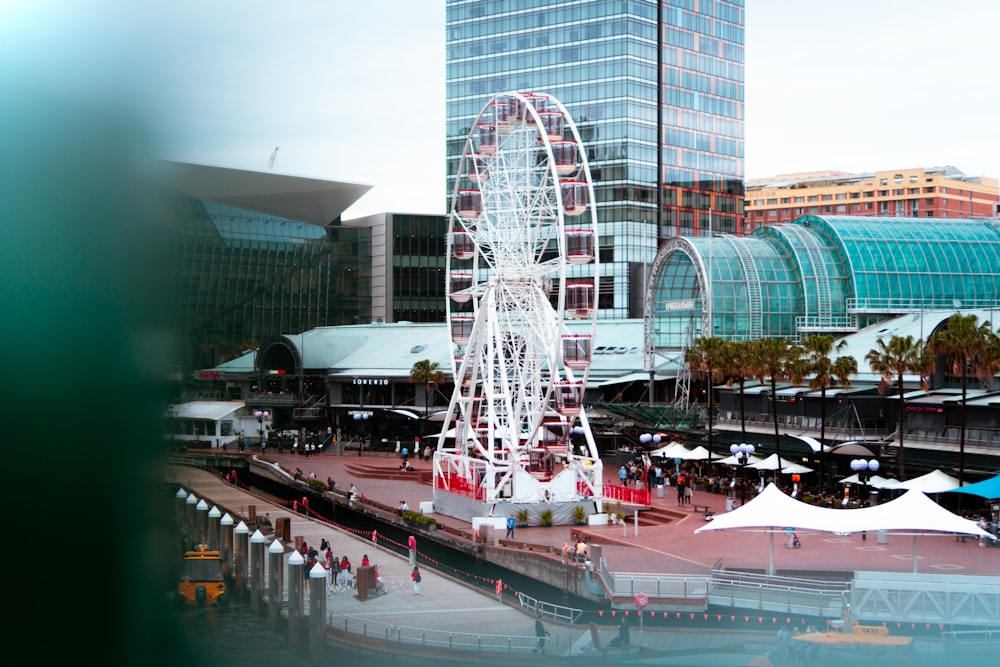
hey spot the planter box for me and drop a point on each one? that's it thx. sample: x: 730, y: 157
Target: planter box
x: 597, y: 520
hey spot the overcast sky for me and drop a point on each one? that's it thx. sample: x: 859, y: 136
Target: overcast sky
x: 354, y: 91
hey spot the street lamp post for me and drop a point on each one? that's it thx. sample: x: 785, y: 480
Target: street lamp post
x: 742, y: 452
x: 647, y: 438
x: 262, y: 416
x: 865, y: 469
x: 361, y: 417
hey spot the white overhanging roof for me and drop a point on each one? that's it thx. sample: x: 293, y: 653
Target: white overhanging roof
x: 912, y: 512
x: 213, y: 410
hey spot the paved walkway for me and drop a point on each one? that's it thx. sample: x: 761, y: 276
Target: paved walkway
x: 674, y: 547
x: 445, y: 604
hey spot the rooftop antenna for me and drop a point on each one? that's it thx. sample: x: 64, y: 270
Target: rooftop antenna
x: 274, y: 154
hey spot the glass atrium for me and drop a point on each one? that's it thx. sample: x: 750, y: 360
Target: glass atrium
x: 829, y: 274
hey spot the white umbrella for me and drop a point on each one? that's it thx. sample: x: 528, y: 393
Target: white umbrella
x: 787, y: 467
x: 732, y: 461
x: 699, y: 453
x: 876, y: 481
x: 674, y: 450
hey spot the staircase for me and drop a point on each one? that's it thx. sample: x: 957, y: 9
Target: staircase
x: 659, y: 516
x: 374, y: 471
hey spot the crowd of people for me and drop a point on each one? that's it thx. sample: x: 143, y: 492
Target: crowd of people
x: 339, y: 570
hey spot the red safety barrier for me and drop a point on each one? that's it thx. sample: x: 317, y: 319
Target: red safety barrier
x: 627, y: 494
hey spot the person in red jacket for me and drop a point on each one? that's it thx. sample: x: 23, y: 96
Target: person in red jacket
x: 415, y: 577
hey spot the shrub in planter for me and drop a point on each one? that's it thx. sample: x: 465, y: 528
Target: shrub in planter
x: 317, y: 485
x: 579, y: 514
x: 522, y: 517
x: 419, y: 519
x: 546, y: 517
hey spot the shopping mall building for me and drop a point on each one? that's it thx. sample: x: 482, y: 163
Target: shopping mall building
x: 859, y: 278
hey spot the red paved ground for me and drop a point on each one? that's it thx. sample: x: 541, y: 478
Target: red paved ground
x: 674, y: 548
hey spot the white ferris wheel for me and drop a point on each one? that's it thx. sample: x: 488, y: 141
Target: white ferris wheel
x: 522, y: 277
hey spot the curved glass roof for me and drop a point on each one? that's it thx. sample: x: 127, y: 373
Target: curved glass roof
x: 905, y: 264
x: 818, y: 274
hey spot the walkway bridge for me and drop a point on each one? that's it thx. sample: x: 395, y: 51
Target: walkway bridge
x: 873, y: 596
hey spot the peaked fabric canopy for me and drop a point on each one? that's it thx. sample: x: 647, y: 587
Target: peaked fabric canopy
x: 788, y: 467
x: 933, y: 482
x: 876, y: 481
x: 988, y: 488
x: 674, y: 450
x: 699, y: 453
x: 913, y: 511
x: 731, y: 460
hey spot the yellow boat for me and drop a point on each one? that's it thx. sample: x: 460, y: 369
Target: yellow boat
x: 202, y: 580
x: 859, y: 635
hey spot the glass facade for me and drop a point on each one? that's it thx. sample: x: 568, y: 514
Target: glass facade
x: 656, y: 91
x: 831, y: 274
x: 240, y: 276
x: 419, y: 245
x: 916, y: 264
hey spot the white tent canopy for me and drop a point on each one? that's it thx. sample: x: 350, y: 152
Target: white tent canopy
x: 699, y: 453
x: 787, y: 467
x: 913, y: 511
x: 933, y: 482
x: 674, y: 450
x: 876, y: 481
x: 732, y: 461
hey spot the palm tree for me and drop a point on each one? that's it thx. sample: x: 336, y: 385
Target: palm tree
x: 901, y: 355
x: 772, y: 359
x: 825, y: 373
x: 429, y: 373
x: 706, y: 357
x: 963, y: 340
x: 739, y: 367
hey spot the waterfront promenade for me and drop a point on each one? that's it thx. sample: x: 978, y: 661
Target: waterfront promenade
x: 446, y: 605
x: 673, y: 547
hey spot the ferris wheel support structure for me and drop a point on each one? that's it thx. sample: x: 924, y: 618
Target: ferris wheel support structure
x: 522, y: 309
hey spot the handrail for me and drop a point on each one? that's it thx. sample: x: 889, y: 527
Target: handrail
x: 429, y: 637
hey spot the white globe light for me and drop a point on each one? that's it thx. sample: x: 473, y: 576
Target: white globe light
x: 750, y: 449
x: 656, y: 438
x: 645, y: 438
x: 873, y: 465
x: 357, y: 417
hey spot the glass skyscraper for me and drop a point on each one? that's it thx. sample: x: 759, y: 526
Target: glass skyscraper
x: 656, y: 90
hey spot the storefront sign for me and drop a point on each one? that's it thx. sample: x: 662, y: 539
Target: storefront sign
x: 376, y: 381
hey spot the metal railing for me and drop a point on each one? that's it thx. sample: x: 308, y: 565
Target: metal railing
x: 773, y: 593
x: 428, y: 637
x: 934, y: 598
x: 556, y: 612
x: 674, y: 586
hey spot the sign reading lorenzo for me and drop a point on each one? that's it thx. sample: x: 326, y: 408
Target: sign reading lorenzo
x: 641, y: 600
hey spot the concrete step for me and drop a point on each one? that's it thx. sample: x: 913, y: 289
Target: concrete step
x: 367, y: 471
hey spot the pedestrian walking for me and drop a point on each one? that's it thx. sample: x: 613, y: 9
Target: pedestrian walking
x: 541, y: 634
x: 415, y: 576
x: 510, y: 527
